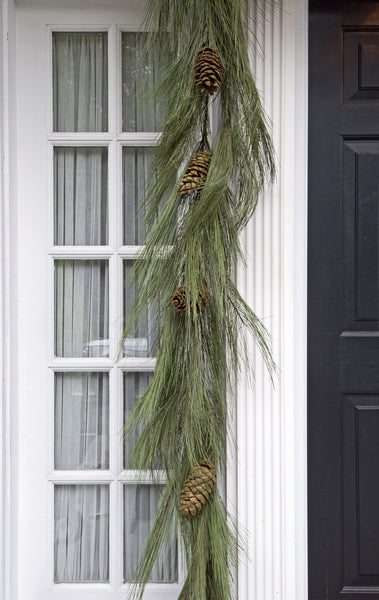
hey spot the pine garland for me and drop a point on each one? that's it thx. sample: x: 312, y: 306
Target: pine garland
x: 204, y: 191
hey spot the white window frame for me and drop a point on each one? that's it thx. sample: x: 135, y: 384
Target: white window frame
x: 116, y: 253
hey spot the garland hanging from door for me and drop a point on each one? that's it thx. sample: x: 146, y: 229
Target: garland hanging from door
x: 186, y: 275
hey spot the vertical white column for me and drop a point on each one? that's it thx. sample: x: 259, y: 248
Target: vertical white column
x: 6, y: 120
x: 271, y: 420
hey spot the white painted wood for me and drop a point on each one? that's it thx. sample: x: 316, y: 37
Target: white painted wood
x: 36, y: 363
x: 271, y: 421
x: 7, y: 299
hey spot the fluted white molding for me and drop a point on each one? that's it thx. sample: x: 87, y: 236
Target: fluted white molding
x: 7, y: 517
x: 270, y: 472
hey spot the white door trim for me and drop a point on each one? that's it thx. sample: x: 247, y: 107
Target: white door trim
x: 272, y: 422
x: 6, y: 296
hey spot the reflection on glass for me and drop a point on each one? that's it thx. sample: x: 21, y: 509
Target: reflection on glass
x: 142, y: 336
x: 81, y: 421
x: 140, y: 506
x: 81, y: 533
x: 134, y: 386
x: 80, y: 81
x: 139, y: 74
x: 136, y: 163
x: 81, y: 308
x: 80, y: 196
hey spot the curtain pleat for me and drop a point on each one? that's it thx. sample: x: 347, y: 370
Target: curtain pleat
x: 80, y: 81
x: 137, y: 163
x: 134, y: 386
x: 140, y: 504
x: 81, y: 535
x: 81, y: 421
x: 81, y: 308
x: 143, y: 334
x: 139, y: 74
x: 80, y: 196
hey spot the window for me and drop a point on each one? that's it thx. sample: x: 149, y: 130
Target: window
x: 92, y: 260
x: 89, y: 517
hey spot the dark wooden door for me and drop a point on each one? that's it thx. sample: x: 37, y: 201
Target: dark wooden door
x: 343, y: 425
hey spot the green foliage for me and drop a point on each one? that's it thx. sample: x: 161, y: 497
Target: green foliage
x: 194, y: 241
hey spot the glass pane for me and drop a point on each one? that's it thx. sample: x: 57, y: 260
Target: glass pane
x: 81, y: 533
x: 136, y: 167
x: 140, y: 506
x: 80, y: 81
x: 81, y: 308
x: 142, y: 336
x: 134, y: 386
x: 81, y: 421
x: 80, y: 196
x: 139, y: 74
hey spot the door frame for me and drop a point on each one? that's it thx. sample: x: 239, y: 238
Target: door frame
x: 272, y: 422
x: 279, y: 561
x: 8, y: 298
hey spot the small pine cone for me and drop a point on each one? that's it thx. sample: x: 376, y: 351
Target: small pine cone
x: 208, y: 70
x: 195, y: 174
x: 179, y: 300
x: 197, y: 488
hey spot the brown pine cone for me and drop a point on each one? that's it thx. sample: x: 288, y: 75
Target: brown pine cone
x: 208, y: 70
x: 197, y: 488
x: 179, y: 300
x: 196, y: 173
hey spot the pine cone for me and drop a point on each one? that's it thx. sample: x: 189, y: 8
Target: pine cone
x: 208, y: 70
x: 197, y: 488
x: 179, y: 300
x: 195, y: 174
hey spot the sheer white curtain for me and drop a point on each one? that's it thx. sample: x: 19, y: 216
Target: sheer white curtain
x: 134, y: 386
x: 81, y: 536
x: 139, y: 74
x: 136, y: 169
x: 143, y: 335
x: 80, y: 81
x: 81, y: 308
x: 140, y: 505
x: 80, y: 196
x: 81, y: 421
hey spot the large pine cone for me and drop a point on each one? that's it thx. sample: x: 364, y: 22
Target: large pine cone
x: 179, y: 300
x: 208, y: 70
x: 196, y: 173
x: 197, y: 488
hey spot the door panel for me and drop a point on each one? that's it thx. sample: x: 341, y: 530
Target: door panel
x: 343, y: 300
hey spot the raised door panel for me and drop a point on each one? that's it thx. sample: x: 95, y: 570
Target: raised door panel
x: 361, y: 489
